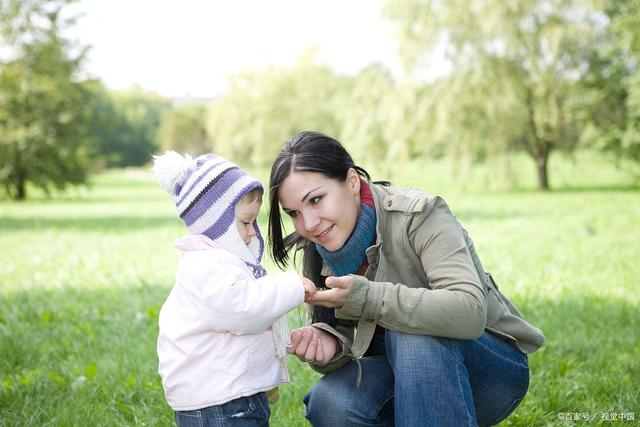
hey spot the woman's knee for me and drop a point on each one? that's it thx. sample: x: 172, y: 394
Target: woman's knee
x: 409, y: 349
x: 324, y: 404
x: 337, y: 399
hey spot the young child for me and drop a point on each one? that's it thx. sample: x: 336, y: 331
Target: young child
x: 223, y: 329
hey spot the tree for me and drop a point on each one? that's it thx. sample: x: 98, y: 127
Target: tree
x: 364, y: 115
x: 140, y: 112
x: 42, y: 101
x: 368, y: 112
x: 514, y: 63
x: 614, y: 84
x: 183, y: 129
x: 108, y: 129
x: 382, y: 122
x: 122, y: 126
x: 263, y: 108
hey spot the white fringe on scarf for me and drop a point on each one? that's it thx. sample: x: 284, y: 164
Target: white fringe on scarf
x: 281, y: 339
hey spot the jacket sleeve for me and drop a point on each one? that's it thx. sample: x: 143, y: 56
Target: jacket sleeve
x: 235, y: 301
x: 343, y: 333
x: 452, y: 302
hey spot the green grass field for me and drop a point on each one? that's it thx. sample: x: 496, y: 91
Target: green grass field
x: 83, y: 276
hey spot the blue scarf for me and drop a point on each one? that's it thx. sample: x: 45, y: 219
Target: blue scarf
x: 349, y: 258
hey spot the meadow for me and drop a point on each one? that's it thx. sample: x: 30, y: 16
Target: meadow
x: 83, y: 275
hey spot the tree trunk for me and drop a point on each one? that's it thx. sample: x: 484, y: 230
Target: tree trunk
x: 20, y: 184
x: 539, y: 148
x: 19, y: 180
x: 21, y: 190
x: 541, y: 166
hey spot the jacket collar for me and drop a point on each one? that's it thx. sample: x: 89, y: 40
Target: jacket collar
x: 379, y: 199
x: 195, y: 242
x: 387, y: 199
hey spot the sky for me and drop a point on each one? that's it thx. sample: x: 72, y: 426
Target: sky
x: 188, y: 48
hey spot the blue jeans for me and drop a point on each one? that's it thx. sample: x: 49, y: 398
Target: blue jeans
x: 424, y: 381
x: 247, y: 411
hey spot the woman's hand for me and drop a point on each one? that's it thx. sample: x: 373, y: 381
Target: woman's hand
x: 313, y: 345
x: 336, y: 296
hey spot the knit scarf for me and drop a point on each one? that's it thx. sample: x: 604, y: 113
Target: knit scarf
x: 351, y: 257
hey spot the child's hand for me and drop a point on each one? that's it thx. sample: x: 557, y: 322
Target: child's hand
x: 309, y: 289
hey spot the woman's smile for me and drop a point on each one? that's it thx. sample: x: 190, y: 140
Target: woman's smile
x: 325, y: 235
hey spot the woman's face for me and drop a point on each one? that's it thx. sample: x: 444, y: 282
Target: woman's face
x: 323, y: 210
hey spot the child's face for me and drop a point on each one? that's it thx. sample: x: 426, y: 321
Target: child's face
x: 246, y: 214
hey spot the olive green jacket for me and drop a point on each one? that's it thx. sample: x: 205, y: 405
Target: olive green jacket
x: 424, y: 277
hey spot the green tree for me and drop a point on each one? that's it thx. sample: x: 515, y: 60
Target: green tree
x: 42, y: 101
x: 364, y: 115
x: 108, y: 130
x: 381, y: 121
x: 122, y: 126
x: 614, y: 84
x: 516, y: 65
x: 263, y: 108
x: 183, y: 129
x: 140, y: 113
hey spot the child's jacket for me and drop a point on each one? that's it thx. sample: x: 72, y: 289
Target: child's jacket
x: 215, y: 344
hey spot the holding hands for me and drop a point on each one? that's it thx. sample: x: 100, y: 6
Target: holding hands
x: 311, y: 344
x: 309, y: 289
x: 336, y: 296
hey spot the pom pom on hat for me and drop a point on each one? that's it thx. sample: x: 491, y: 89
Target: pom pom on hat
x: 205, y: 191
x: 169, y: 169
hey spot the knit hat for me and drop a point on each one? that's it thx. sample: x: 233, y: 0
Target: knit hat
x: 205, y: 191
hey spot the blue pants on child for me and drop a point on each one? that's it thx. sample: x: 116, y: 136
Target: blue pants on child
x: 424, y: 381
x: 249, y: 411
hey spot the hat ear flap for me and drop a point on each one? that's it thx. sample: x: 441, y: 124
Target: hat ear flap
x: 169, y: 169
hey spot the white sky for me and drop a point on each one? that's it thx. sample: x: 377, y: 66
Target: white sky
x: 190, y: 47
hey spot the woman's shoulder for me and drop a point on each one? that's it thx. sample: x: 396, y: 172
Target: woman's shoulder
x: 406, y: 200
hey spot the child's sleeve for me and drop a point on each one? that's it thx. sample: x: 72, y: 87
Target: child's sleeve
x: 234, y: 301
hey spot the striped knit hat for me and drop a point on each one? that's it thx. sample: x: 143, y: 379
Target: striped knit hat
x: 205, y: 191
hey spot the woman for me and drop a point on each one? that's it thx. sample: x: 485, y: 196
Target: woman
x: 411, y: 330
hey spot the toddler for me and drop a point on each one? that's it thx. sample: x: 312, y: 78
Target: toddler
x: 223, y: 327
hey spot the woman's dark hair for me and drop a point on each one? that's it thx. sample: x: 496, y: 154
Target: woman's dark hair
x: 306, y: 152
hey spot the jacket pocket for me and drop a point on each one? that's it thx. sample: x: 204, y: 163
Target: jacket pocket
x: 495, y: 305
x: 248, y: 410
x: 495, y: 309
x: 189, y: 418
x: 236, y: 352
x: 239, y: 408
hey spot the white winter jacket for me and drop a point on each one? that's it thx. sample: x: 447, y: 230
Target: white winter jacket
x: 215, y: 341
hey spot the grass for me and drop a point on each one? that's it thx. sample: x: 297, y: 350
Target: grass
x: 83, y: 276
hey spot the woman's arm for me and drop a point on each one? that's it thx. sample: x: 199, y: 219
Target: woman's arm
x: 452, y: 304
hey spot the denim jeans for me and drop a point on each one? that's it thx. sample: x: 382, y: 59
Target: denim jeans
x: 424, y: 381
x: 247, y: 411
